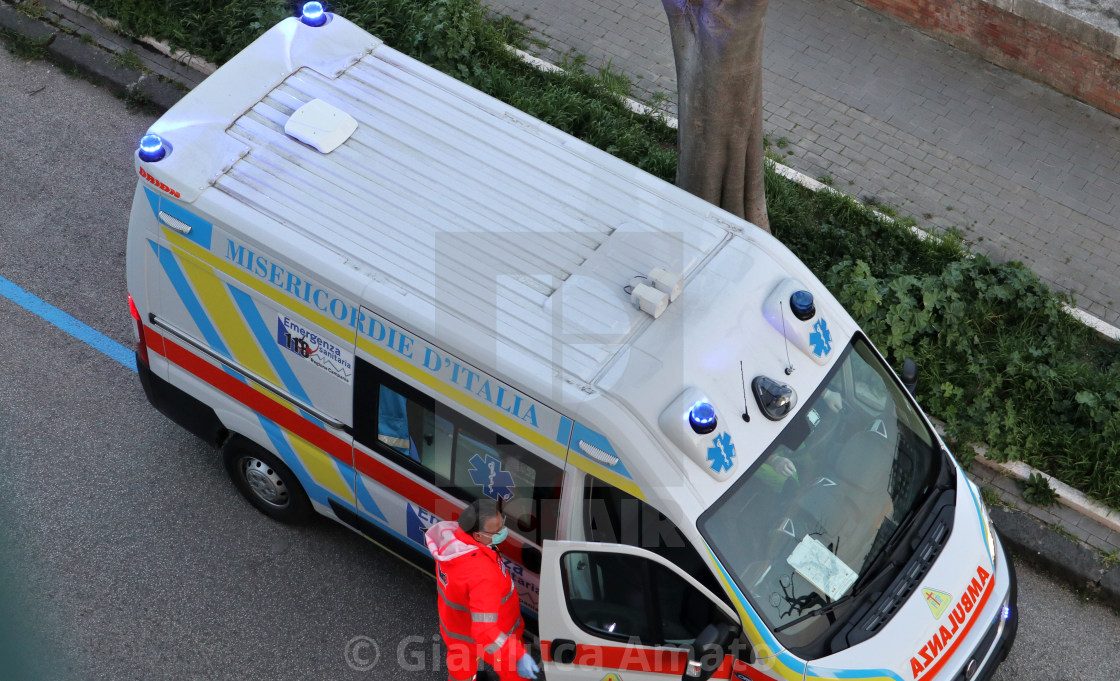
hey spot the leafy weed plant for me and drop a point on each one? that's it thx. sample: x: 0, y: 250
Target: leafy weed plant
x: 1037, y: 491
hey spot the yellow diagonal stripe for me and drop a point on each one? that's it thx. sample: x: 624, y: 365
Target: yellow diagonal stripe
x: 216, y: 300
x: 183, y: 244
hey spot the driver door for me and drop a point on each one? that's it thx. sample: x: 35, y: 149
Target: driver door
x: 613, y: 611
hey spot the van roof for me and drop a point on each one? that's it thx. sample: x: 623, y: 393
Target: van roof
x: 482, y: 211
x: 482, y: 229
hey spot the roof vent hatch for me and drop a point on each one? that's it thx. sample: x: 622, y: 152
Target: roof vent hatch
x: 321, y: 125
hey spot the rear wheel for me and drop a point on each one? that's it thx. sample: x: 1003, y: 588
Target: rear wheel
x: 265, y: 481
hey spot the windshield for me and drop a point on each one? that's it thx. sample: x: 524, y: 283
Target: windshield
x: 799, y: 530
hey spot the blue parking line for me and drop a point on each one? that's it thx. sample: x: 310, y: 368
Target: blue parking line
x: 83, y: 332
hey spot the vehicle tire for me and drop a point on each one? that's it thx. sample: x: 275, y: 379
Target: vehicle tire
x: 265, y: 481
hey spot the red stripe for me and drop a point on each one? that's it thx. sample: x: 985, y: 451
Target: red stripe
x: 634, y: 659
x: 442, y: 506
x: 244, y: 393
x: 365, y: 463
x: 154, y: 341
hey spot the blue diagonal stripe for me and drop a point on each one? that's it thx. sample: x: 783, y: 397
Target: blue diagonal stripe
x: 272, y: 350
x: 190, y: 300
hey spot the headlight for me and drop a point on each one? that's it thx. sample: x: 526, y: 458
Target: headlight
x: 989, y: 529
x: 989, y: 534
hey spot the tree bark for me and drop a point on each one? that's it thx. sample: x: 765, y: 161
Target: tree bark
x: 717, y: 45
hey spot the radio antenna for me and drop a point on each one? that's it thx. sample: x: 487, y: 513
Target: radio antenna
x: 743, y: 376
x: 789, y: 364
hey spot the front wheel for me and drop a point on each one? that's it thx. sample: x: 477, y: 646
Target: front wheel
x: 265, y: 481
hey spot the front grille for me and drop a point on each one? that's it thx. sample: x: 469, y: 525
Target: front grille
x: 911, y: 576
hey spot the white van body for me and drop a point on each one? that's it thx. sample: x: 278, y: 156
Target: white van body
x: 407, y: 253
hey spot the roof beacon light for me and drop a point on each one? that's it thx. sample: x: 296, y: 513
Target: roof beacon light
x: 801, y: 304
x: 702, y: 417
x: 152, y: 148
x: 313, y: 14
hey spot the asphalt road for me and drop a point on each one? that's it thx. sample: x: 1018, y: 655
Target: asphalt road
x: 137, y: 559
x: 130, y: 555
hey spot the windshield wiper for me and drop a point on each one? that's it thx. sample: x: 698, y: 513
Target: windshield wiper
x: 874, y: 569
x: 819, y: 611
x: 901, y: 531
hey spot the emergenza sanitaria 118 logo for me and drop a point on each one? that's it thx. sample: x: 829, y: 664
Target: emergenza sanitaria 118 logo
x: 314, y: 348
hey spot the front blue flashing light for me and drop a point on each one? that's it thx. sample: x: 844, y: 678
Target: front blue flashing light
x: 1006, y: 612
x: 702, y: 418
x: 801, y: 304
x: 313, y: 14
x: 152, y: 148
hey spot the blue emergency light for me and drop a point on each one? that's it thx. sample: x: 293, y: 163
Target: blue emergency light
x: 801, y: 304
x: 152, y: 148
x: 313, y: 14
x: 702, y: 418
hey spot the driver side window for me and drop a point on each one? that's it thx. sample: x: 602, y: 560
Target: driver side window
x: 623, y: 597
x: 613, y: 516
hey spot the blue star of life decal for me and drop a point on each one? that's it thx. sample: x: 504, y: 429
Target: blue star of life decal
x: 488, y: 474
x: 721, y: 456
x: 821, y: 339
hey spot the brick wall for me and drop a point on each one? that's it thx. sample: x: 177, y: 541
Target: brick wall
x: 1031, y: 47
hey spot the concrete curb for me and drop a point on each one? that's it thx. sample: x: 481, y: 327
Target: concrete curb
x: 1029, y: 537
x: 1037, y: 543
x: 1066, y: 495
x: 70, y: 51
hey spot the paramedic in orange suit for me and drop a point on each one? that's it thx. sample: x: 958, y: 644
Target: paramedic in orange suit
x: 479, y: 610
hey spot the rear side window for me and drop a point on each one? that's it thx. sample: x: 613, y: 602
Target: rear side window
x: 457, y: 454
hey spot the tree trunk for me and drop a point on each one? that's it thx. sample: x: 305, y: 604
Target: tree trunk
x: 717, y: 45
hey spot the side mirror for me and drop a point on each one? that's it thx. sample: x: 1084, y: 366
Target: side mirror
x: 707, y: 652
x: 910, y: 375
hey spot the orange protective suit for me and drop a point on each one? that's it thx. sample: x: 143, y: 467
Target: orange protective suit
x: 479, y: 610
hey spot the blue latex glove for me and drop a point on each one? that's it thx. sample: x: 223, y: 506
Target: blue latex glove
x: 527, y: 667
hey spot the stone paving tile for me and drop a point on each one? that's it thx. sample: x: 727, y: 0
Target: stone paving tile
x: 1041, y: 513
x: 1010, y: 143
x: 1081, y: 533
x: 1100, y: 544
x: 1069, y: 516
x: 1098, y: 530
x: 1009, y: 499
x: 1006, y: 484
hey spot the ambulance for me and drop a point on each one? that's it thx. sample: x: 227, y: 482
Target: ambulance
x: 383, y: 294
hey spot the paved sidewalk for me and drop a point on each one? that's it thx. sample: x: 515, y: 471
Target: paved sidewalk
x: 889, y: 113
